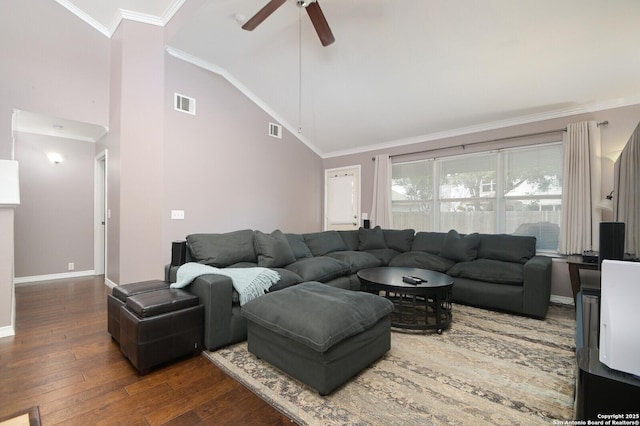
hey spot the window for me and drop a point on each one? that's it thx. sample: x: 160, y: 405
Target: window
x: 514, y: 191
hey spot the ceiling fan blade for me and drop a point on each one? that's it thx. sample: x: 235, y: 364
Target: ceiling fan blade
x: 262, y: 14
x: 320, y: 23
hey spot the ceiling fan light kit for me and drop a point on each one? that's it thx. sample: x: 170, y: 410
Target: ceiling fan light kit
x: 313, y: 10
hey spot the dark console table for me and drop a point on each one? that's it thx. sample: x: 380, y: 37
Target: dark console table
x: 575, y: 263
x: 599, y: 389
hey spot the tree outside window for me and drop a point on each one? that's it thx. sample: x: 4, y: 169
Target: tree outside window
x: 515, y: 191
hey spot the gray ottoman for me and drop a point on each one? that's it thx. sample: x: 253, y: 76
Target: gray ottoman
x: 318, y: 334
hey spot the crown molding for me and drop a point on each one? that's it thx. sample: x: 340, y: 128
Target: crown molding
x: 493, y: 125
x: 121, y: 14
x: 85, y: 17
x: 179, y: 54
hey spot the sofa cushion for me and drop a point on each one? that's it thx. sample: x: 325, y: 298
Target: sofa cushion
x: 510, y: 248
x: 420, y: 259
x: 273, y: 249
x: 356, y: 259
x: 287, y: 279
x: 431, y: 242
x: 458, y: 248
x: 371, y: 239
x: 321, y: 243
x: 350, y: 238
x: 493, y: 271
x: 222, y: 250
x: 298, y: 246
x: 244, y: 265
x: 399, y: 239
x: 319, y: 268
x: 384, y: 255
x: 344, y: 313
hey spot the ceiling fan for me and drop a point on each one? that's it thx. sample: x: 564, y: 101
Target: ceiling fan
x: 313, y: 10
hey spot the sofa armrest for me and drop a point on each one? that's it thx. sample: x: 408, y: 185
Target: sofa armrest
x: 537, y: 286
x: 170, y: 273
x: 215, y: 293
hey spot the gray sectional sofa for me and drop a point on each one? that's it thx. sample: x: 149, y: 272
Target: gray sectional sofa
x: 494, y: 271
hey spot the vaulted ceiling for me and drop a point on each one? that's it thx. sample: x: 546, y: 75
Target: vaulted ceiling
x: 406, y: 71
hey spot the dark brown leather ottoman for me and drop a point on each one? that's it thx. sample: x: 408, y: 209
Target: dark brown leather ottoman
x: 118, y: 298
x: 318, y: 334
x: 160, y: 326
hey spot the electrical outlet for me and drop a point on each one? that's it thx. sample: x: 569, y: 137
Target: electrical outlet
x: 72, y: 266
x: 177, y: 214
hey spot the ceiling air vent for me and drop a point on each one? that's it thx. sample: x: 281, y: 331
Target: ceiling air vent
x: 275, y: 130
x: 184, y: 104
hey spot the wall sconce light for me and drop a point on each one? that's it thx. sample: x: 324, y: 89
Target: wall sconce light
x: 607, y: 202
x: 55, y: 158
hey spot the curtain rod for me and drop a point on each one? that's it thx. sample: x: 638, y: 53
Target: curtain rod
x: 464, y: 146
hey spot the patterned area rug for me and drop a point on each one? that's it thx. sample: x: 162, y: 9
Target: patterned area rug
x: 488, y: 368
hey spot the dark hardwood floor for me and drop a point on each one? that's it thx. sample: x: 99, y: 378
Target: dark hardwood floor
x: 63, y: 360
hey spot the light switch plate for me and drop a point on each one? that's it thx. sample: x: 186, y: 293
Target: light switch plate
x: 177, y: 214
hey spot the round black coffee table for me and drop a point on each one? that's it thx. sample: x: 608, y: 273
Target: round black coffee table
x: 423, y: 306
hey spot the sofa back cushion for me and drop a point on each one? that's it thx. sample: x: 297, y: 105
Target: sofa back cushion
x: 399, y: 239
x: 356, y: 260
x: 508, y: 248
x: 430, y: 242
x: 321, y: 243
x: 422, y: 260
x: 222, y: 250
x: 489, y: 270
x: 459, y: 248
x: 384, y: 255
x: 371, y: 239
x: 298, y: 246
x: 350, y: 238
x: 273, y: 249
x: 319, y: 268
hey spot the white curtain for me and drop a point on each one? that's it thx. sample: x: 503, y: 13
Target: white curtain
x: 581, y: 191
x: 626, y: 195
x: 381, y: 208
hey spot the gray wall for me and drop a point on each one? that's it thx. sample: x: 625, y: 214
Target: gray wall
x: 135, y: 152
x: 622, y: 122
x: 52, y: 63
x: 219, y: 166
x: 223, y: 169
x: 54, y: 221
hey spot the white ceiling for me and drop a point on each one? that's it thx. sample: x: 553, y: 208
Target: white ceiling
x: 41, y: 124
x: 407, y: 71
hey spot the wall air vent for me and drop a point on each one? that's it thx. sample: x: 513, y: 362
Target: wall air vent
x: 184, y: 104
x: 275, y: 130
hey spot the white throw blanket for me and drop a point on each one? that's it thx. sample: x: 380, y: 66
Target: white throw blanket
x: 248, y: 282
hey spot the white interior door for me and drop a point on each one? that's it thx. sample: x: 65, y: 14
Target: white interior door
x: 100, y: 224
x: 342, y: 198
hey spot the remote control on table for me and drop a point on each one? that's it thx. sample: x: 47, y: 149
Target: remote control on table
x: 412, y: 280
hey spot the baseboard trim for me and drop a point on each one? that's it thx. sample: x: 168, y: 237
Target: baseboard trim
x: 7, y: 331
x: 109, y: 283
x: 49, y: 277
x: 562, y: 299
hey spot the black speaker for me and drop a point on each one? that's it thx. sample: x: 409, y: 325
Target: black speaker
x: 611, y: 241
x: 366, y: 224
x: 178, y: 253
